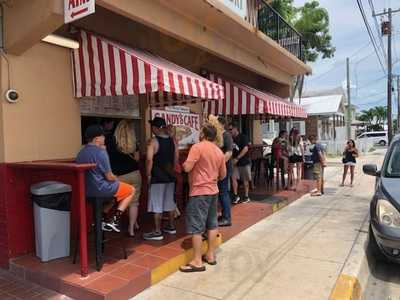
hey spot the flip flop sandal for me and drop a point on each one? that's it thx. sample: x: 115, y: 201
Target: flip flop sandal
x: 189, y: 268
x: 211, y: 263
x: 316, y: 194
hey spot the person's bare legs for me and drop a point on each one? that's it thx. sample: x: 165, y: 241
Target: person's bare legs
x: 157, y: 221
x: 234, y: 186
x: 133, y: 214
x: 319, y: 185
x: 171, y: 215
x: 351, y: 175
x: 246, y: 185
x: 123, y: 205
x: 197, y: 242
x: 290, y: 175
x: 212, y: 244
x: 345, y: 169
x: 298, y: 172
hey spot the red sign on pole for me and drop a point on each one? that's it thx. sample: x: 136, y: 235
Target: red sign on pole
x: 77, y: 9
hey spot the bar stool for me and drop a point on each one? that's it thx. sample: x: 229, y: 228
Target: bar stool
x: 97, y: 205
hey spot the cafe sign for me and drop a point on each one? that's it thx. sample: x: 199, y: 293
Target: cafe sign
x: 187, y: 125
x: 77, y: 9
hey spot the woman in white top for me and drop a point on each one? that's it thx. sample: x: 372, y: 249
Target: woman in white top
x: 296, y: 154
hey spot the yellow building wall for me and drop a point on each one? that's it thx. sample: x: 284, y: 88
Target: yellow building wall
x: 45, y: 123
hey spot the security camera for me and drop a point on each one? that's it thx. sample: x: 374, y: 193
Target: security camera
x: 12, y: 96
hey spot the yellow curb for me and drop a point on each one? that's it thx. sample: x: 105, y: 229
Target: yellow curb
x: 173, y: 264
x: 346, y: 288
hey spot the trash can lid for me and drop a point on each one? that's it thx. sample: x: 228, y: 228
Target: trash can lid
x: 49, y: 188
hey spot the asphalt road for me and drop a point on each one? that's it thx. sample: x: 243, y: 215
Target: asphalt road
x: 384, y: 282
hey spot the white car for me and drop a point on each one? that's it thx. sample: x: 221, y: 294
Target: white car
x: 267, y: 146
x: 376, y: 137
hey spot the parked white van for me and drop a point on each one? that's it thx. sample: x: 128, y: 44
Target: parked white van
x: 376, y: 137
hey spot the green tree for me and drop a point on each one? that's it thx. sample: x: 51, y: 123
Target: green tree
x: 380, y: 113
x: 367, y: 116
x: 312, y: 21
x: 375, y: 117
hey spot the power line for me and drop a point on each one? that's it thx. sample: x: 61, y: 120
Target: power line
x: 373, y: 95
x: 339, y: 63
x: 371, y: 103
x: 372, y: 82
x: 371, y: 36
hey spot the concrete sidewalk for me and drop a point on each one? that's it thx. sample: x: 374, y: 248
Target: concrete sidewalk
x: 296, y: 253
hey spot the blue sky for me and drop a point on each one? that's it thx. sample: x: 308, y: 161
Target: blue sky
x: 350, y: 39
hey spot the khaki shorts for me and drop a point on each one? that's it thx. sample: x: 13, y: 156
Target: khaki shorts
x: 242, y: 173
x: 317, y: 171
x: 134, y: 179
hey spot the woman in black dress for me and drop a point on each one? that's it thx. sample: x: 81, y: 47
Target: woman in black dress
x: 349, y: 161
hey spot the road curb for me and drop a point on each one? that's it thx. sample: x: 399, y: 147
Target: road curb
x: 353, y: 278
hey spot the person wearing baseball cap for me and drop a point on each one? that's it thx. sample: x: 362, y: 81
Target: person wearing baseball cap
x: 100, y: 181
x: 161, y: 157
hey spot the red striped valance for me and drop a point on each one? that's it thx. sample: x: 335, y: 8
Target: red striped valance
x: 241, y: 99
x: 106, y: 68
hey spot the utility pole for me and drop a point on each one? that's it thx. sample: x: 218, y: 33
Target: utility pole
x: 398, y: 103
x: 387, y: 30
x: 389, y: 87
x: 348, y: 100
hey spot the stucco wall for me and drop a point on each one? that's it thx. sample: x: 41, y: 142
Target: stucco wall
x: 45, y: 123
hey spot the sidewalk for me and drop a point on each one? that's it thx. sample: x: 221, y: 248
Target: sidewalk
x: 297, y: 253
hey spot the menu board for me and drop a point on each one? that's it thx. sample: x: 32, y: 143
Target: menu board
x: 111, y: 106
x: 187, y: 125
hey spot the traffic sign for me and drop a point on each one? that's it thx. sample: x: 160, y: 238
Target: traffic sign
x: 77, y: 9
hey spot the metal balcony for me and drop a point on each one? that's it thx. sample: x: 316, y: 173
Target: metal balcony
x: 270, y: 22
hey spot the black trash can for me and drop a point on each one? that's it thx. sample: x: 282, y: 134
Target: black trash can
x: 51, y: 207
x: 308, y: 168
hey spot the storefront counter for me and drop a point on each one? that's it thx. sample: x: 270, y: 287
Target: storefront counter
x: 19, y: 205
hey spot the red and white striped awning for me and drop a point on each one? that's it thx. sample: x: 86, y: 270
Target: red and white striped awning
x: 241, y: 99
x: 106, y: 68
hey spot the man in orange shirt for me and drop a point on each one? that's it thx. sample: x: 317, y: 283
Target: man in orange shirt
x: 205, y: 165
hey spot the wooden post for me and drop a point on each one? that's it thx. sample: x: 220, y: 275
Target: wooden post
x: 144, y: 110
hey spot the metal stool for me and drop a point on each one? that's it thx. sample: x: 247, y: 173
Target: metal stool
x: 97, y: 205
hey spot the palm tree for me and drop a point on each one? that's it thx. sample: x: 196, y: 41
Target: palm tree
x: 380, y: 113
x: 367, y: 116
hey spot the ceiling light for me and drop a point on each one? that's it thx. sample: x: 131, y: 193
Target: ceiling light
x: 61, y: 41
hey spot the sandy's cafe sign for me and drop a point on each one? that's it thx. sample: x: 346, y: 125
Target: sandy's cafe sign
x: 187, y: 125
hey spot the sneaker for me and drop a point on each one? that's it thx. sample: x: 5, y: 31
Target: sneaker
x: 224, y: 222
x: 245, y: 200
x: 153, y: 236
x: 236, y: 199
x: 105, y: 227
x: 114, y: 224
x: 169, y: 229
